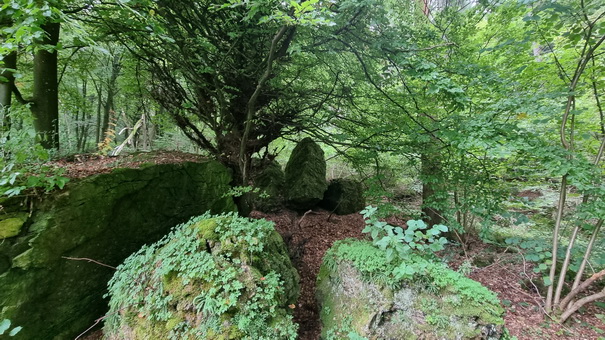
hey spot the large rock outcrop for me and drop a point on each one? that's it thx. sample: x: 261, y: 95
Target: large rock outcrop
x: 359, y: 296
x: 305, y: 175
x: 344, y: 196
x: 216, y: 277
x: 107, y: 217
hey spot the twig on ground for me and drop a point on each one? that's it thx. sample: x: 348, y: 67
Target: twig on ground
x: 93, y: 326
x: 88, y: 260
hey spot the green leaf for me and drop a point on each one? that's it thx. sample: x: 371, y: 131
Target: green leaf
x: 442, y: 228
x: 15, y: 331
x: 4, y: 326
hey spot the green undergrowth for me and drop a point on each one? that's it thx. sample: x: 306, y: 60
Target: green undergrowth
x: 215, y: 277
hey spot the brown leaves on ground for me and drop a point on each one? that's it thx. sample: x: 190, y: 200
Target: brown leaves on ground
x: 84, y: 165
x: 507, y: 275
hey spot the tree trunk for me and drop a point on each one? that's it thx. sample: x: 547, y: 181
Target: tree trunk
x: 45, y: 107
x: 431, y: 191
x: 99, y: 113
x: 111, y: 92
x: 6, y: 89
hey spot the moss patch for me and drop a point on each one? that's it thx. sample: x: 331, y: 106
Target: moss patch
x: 270, y: 181
x: 10, y: 224
x: 305, y: 175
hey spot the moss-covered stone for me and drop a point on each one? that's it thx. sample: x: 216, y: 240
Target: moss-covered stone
x: 216, y: 277
x: 10, y: 224
x: 358, y: 293
x: 305, y: 175
x: 270, y: 181
x: 106, y: 218
x: 343, y: 196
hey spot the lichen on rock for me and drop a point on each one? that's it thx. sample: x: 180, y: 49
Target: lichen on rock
x: 305, y: 175
x: 215, y: 277
x: 360, y: 297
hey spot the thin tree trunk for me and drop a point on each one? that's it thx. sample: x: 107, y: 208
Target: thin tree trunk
x: 45, y: 107
x: 99, y: 113
x: 430, y: 167
x: 111, y: 92
x: 6, y: 89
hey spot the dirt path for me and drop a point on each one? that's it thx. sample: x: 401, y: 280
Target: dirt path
x: 309, y: 235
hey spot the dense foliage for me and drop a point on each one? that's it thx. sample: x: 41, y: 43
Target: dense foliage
x: 466, y: 101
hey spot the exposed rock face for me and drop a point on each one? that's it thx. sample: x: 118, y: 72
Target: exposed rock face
x: 369, y: 303
x: 344, y: 196
x: 104, y: 217
x: 216, y: 277
x: 305, y: 175
x: 270, y: 181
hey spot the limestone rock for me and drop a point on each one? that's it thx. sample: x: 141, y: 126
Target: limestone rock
x: 215, y: 277
x: 344, y: 196
x: 358, y: 295
x: 305, y: 175
x: 270, y: 181
x: 104, y: 217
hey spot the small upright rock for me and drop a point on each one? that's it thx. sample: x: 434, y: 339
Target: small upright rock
x: 270, y: 180
x: 344, y: 196
x: 305, y: 175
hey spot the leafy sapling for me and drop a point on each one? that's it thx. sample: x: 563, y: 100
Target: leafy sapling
x: 413, y: 248
x: 417, y: 238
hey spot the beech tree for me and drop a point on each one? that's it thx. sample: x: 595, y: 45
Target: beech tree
x: 35, y: 26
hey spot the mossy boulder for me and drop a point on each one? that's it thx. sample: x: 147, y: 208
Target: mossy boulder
x: 358, y: 294
x: 215, y: 277
x: 343, y: 196
x: 107, y: 217
x: 269, y: 180
x: 305, y: 175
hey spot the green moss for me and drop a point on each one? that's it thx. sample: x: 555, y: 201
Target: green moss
x: 270, y: 181
x: 207, y: 229
x: 23, y: 260
x: 10, y: 225
x: 172, y: 323
x: 305, y: 181
x: 445, y: 297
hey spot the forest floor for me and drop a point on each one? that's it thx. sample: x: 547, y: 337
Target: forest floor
x: 503, y: 271
x: 309, y: 235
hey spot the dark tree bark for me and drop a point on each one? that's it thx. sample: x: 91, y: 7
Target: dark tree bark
x: 431, y: 168
x: 111, y: 92
x: 6, y: 89
x: 45, y: 106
